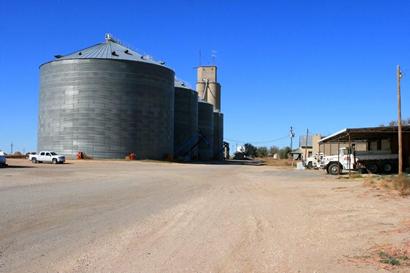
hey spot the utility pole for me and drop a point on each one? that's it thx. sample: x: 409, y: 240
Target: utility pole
x: 11, y: 148
x: 399, y: 124
x: 306, y: 144
x: 291, y: 135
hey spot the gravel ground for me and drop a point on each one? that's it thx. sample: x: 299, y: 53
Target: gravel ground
x: 116, y: 216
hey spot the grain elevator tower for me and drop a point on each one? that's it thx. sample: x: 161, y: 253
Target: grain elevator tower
x: 207, y: 85
x: 209, y: 93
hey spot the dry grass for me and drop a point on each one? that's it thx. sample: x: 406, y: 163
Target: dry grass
x: 387, y: 257
x: 276, y: 162
x: 401, y: 184
x: 393, y: 255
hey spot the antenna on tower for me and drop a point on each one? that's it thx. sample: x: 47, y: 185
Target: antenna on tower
x: 200, y: 57
x: 213, y: 56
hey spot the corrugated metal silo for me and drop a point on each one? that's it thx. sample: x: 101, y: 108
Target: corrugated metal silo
x: 185, y: 121
x: 107, y: 101
x: 218, y: 135
x: 206, y: 129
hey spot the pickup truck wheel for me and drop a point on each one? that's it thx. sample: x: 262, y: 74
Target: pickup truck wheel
x: 372, y: 168
x: 334, y: 169
x: 34, y: 160
x: 387, y: 167
x: 54, y: 161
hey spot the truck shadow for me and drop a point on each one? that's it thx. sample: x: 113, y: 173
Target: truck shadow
x: 18, y: 167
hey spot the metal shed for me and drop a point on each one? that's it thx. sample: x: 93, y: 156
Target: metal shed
x: 376, y: 138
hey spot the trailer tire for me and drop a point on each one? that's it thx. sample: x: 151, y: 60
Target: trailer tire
x: 372, y: 167
x: 362, y: 170
x: 387, y: 167
x: 310, y: 165
x: 334, y: 169
x: 34, y: 160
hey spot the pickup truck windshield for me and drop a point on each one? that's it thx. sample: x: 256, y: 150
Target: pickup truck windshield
x: 53, y: 153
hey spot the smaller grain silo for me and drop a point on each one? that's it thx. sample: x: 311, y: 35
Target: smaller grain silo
x: 218, y: 136
x: 206, y: 130
x: 185, y: 121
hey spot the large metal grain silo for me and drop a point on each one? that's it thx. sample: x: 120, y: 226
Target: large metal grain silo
x: 106, y: 101
x: 218, y: 135
x: 206, y: 130
x: 185, y: 121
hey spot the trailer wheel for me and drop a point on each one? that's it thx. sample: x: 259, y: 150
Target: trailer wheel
x: 387, y: 167
x: 334, y: 169
x: 34, y: 160
x: 362, y: 170
x: 372, y: 167
x: 310, y: 165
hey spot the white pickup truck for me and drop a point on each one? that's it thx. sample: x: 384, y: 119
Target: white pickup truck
x: 46, y: 156
x: 374, y: 162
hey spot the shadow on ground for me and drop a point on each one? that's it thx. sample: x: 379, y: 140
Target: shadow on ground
x: 18, y: 167
x: 228, y: 162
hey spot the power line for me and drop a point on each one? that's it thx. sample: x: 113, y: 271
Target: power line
x: 257, y: 142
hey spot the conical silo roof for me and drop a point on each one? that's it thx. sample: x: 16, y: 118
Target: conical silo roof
x: 181, y: 84
x: 110, y: 49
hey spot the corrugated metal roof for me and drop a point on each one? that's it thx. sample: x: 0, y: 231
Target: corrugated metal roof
x: 333, y: 135
x: 110, y: 49
x: 363, y: 133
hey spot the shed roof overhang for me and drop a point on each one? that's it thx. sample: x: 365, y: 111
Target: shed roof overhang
x: 354, y: 134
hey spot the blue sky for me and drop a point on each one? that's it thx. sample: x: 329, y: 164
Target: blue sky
x: 322, y: 65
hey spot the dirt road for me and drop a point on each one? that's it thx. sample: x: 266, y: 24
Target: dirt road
x: 108, y: 216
